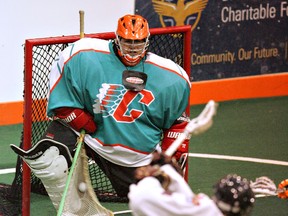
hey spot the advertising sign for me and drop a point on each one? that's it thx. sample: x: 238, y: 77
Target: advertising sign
x: 229, y: 38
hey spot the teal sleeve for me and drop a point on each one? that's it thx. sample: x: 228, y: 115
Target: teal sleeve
x: 67, y: 92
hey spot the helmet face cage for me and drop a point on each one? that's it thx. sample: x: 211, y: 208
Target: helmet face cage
x: 132, y: 50
x: 233, y: 196
x: 132, y: 38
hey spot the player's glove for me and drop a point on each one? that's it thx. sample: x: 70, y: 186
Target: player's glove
x: 171, y: 134
x: 283, y: 189
x: 77, y: 118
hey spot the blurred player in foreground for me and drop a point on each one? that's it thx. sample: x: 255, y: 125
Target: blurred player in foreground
x: 123, y: 96
x: 161, y: 190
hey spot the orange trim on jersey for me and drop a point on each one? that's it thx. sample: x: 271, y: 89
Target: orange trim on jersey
x: 83, y: 50
x: 169, y: 69
x: 58, y: 80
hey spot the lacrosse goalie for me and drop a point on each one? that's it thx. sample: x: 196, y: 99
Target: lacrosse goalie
x: 123, y: 96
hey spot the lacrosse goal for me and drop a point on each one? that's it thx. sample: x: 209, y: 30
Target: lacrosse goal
x: 170, y: 42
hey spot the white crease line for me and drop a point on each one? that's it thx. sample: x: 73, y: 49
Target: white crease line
x: 7, y: 171
x: 122, y: 212
x: 213, y: 156
x: 246, y: 159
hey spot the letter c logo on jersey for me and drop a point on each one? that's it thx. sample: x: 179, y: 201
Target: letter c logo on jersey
x: 118, y: 102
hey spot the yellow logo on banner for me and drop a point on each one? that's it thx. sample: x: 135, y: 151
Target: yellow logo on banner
x: 179, y: 13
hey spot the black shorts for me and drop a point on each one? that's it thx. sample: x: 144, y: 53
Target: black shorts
x: 120, y: 177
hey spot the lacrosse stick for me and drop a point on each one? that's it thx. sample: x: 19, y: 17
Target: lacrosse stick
x: 76, y: 155
x: 79, y: 198
x: 81, y: 138
x: 196, y: 126
x: 264, y: 186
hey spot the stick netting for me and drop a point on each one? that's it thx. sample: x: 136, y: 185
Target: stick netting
x: 82, y: 201
x: 43, y: 52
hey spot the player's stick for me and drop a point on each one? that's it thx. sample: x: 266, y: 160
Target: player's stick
x: 264, y: 186
x: 79, y: 197
x: 75, y: 158
x: 265, y: 193
x: 81, y: 15
x: 81, y: 138
x: 196, y: 126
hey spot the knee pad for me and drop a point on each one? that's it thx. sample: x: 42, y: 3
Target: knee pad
x: 50, y: 159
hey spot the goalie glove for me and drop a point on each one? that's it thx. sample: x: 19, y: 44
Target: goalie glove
x: 171, y: 134
x: 77, y: 118
x: 283, y: 189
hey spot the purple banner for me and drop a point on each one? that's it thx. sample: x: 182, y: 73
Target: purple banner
x: 229, y: 38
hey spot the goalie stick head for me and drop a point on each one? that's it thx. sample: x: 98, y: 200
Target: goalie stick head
x: 233, y: 196
x: 132, y: 39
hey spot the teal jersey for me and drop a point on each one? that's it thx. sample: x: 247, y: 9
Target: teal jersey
x: 88, y: 75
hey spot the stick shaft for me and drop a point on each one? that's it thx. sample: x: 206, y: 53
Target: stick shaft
x: 174, y: 146
x: 76, y: 155
x: 81, y: 15
x: 80, y: 141
x: 202, y: 122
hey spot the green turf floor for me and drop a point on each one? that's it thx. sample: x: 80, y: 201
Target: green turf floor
x: 255, y: 128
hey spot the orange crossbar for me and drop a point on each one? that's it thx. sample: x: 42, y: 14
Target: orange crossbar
x: 269, y: 85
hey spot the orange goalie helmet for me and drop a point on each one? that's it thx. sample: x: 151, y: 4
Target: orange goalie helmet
x: 132, y: 39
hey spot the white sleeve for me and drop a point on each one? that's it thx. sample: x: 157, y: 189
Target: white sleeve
x: 178, y: 183
x: 150, y: 199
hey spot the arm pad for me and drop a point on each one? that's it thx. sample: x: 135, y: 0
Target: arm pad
x: 77, y: 118
x: 171, y: 134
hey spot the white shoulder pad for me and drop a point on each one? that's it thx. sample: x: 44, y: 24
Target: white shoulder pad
x: 84, y: 44
x: 167, y: 64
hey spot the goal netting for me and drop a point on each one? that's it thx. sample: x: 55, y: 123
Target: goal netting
x: 170, y: 42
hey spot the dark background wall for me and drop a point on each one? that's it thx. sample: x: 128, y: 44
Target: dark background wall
x: 229, y: 38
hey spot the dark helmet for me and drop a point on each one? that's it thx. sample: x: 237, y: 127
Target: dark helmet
x: 233, y: 196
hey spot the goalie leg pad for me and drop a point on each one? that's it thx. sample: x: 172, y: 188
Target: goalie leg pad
x: 49, y: 161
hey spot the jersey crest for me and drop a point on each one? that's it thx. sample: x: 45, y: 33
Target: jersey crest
x: 116, y: 101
